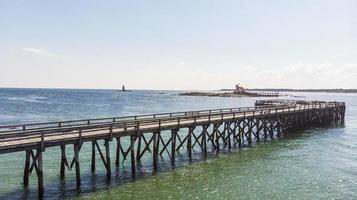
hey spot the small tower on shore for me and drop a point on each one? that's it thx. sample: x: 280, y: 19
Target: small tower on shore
x: 123, y: 88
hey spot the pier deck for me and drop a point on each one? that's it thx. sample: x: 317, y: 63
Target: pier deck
x: 219, y: 128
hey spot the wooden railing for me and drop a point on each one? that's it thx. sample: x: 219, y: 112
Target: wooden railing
x: 127, y: 122
x: 96, y: 121
x: 295, y: 102
x: 136, y: 124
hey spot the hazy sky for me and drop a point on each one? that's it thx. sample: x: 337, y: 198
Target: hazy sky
x: 182, y: 44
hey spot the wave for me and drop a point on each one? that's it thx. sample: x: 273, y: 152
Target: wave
x: 30, y: 98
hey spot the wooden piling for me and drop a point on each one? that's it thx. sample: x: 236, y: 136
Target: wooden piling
x: 107, y: 155
x: 250, y: 139
x: 155, y: 151
x: 27, y: 169
x: 40, y: 172
x: 76, y: 158
x: 216, y: 134
x: 63, y: 161
x: 138, y: 148
x: 117, y: 153
x: 132, y: 155
x: 93, y: 157
x: 189, y: 141
x: 204, y: 140
x: 173, y: 146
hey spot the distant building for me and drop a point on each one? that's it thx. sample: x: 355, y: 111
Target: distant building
x: 239, y: 89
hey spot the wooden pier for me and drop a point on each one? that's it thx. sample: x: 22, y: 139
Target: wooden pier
x: 206, y: 129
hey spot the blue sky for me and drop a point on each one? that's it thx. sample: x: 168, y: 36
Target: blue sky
x: 182, y: 44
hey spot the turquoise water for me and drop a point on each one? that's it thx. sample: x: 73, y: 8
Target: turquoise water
x: 319, y: 163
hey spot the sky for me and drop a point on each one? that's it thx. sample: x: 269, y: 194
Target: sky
x: 182, y: 44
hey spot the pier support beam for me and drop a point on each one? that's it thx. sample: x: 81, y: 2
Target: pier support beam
x: 64, y: 162
x: 229, y: 133
x: 155, y: 150
x: 173, y: 146
x: 76, y: 160
x: 138, y: 148
x: 216, y: 134
x: 107, y: 155
x: 117, y: 153
x: 132, y: 155
x: 189, y: 141
x: 36, y: 164
x: 204, y: 140
x: 27, y: 168
x: 93, y: 157
x: 40, y: 173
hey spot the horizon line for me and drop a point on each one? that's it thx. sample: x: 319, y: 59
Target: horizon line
x: 73, y: 88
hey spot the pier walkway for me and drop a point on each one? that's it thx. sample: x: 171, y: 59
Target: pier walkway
x: 208, y: 129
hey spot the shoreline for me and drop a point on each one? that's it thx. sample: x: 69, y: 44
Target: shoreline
x: 298, y: 90
x: 224, y: 94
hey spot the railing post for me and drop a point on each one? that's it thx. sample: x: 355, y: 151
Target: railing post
x: 111, y: 132
x: 42, y: 141
x: 80, y: 137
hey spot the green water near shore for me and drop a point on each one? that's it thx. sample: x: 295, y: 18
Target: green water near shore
x: 291, y: 168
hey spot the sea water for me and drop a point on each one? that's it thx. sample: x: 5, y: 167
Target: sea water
x: 317, y: 163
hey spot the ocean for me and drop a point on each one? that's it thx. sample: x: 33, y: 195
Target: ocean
x: 317, y: 163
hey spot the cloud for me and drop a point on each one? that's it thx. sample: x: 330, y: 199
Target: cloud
x: 180, y: 64
x: 40, y: 52
x: 301, y: 75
